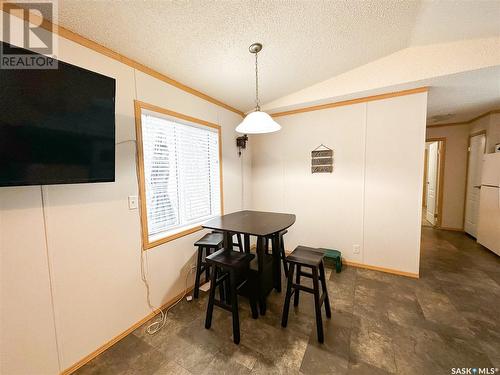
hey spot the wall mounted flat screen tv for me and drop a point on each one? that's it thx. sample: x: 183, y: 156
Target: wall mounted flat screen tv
x: 57, y: 126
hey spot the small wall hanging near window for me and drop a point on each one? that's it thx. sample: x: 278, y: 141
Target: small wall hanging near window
x: 322, y: 159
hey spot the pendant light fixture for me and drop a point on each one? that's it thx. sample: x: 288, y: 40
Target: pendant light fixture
x: 257, y: 122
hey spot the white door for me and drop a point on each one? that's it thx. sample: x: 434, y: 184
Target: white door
x: 432, y: 162
x: 476, y: 153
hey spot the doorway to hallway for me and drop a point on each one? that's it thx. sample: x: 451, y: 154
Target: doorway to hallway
x: 433, y: 182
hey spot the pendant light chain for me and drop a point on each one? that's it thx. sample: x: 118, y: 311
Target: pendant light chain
x: 257, y: 103
x: 257, y: 121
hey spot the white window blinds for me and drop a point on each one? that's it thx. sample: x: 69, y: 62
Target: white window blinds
x: 181, y: 173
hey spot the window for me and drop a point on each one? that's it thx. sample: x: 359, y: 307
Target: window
x: 179, y: 173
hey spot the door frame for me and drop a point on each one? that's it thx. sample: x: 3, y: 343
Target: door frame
x: 424, y: 192
x: 440, y: 185
x: 475, y: 134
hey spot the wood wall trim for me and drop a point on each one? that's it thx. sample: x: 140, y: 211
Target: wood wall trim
x: 149, y: 245
x: 168, y: 112
x: 129, y: 330
x: 448, y: 124
x: 465, y: 122
x: 352, y: 101
x: 424, y: 192
x: 367, y: 266
x: 480, y: 132
x: 381, y: 269
x: 221, y: 174
x: 138, y: 107
x: 483, y: 115
x: 81, y: 40
x: 441, y: 166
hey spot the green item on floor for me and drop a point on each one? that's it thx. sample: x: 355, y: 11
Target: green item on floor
x: 335, y: 256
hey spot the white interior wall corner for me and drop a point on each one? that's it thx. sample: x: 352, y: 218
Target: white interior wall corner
x: 403, y: 67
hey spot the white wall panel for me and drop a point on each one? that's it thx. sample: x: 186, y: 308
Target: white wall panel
x: 393, y: 182
x: 340, y: 210
x: 28, y: 340
x: 328, y: 206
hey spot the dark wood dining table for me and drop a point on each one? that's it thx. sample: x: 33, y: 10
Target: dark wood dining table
x: 263, y: 225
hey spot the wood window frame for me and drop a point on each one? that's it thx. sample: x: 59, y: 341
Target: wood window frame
x: 139, y: 106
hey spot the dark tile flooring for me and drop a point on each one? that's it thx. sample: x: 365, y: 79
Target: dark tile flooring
x: 380, y: 324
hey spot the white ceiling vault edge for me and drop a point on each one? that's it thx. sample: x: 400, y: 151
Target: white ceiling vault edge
x: 412, y: 67
x: 405, y: 66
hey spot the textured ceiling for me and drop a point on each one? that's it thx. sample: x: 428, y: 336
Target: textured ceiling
x: 464, y: 95
x: 204, y: 44
x: 441, y: 21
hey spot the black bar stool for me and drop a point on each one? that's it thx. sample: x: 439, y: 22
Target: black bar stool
x: 231, y: 269
x: 282, y: 252
x: 307, y: 257
x: 206, y: 245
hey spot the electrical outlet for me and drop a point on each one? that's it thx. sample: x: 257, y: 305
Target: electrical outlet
x: 355, y: 249
x: 133, y: 202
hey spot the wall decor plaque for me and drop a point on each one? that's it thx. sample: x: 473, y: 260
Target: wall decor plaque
x: 322, y: 169
x: 321, y: 153
x: 322, y: 159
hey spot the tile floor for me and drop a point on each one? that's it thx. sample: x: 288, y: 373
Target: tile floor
x: 380, y: 324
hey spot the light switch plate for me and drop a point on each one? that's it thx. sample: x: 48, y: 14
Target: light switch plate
x: 133, y: 202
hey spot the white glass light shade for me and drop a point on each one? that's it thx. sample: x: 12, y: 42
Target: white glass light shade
x: 258, y: 122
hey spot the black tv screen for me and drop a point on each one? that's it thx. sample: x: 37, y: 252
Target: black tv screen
x: 57, y: 126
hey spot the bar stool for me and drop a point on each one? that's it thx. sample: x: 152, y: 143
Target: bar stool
x: 231, y: 269
x: 307, y: 257
x: 206, y: 245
